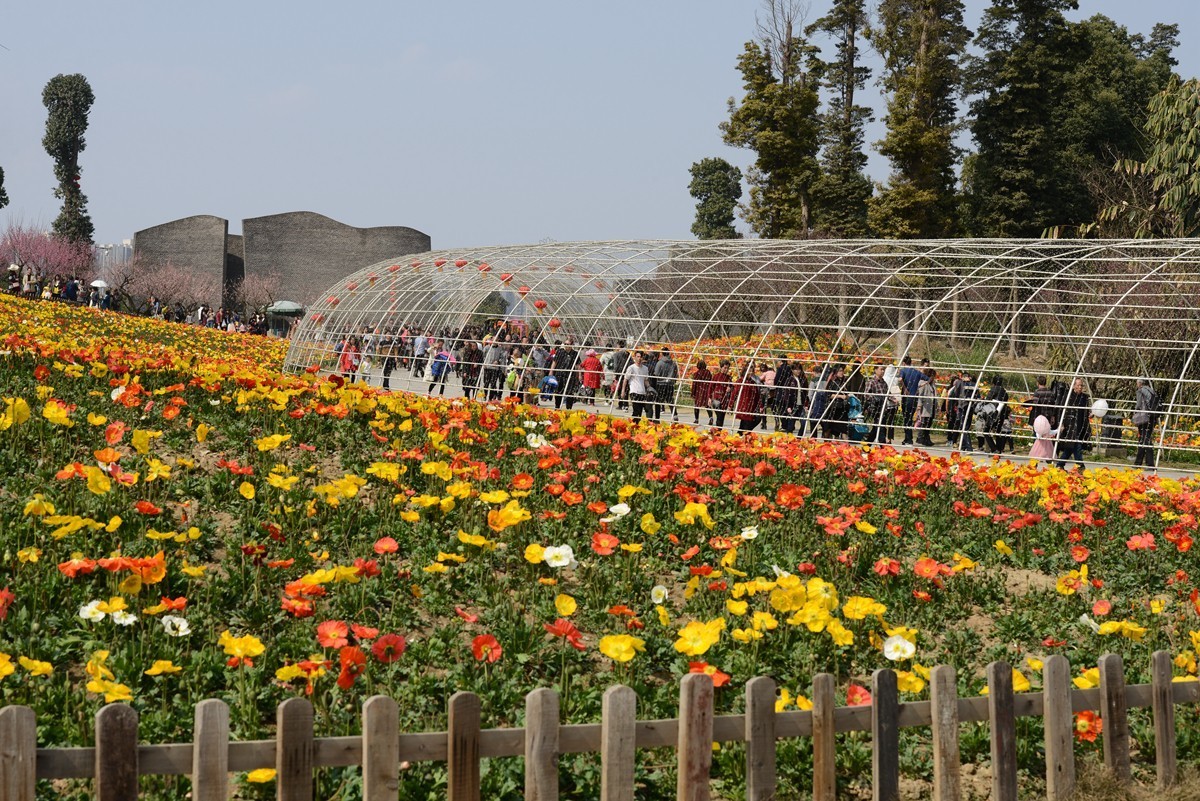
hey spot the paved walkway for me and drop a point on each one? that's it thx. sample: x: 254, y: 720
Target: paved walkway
x: 402, y: 380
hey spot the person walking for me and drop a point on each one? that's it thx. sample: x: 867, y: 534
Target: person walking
x: 472, y: 367
x: 910, y: 379
x: 876, y: 397
x: 1041, y: 403
x: 637, y: 383
x: 926, y: 407
x: 748, y: 403
x: 968, y: 397
x: 1076, y: 428
x: 665, y: 373
x: 1145, y: 412
x: 701, y: 391
x: 440, y: 364
x: 721, y: 391
x: 593, y: 376
x: 1043, y: 443
x: 786, y: 398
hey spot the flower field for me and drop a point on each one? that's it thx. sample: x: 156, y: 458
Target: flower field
x: 182, y: 521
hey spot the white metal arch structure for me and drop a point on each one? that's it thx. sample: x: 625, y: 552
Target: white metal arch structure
x: 1106, y: 311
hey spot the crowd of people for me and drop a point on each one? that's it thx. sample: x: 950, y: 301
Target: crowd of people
x: 905, y: 404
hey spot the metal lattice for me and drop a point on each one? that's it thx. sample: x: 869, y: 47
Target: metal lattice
x: 1005, y: 311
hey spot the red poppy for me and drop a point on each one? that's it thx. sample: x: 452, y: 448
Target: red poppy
x: 522, y: 481
x: 1079, y: 553
x: 389, y: 648
x: 1101, y: 607
x: 1088, y: 726
x: 147, y: 508
x: 604, y: 543
x: 857, y: 695
x: 76, y: 567
x: 689, y: 553
x: 719, y: 678
x: 566, y: 629
x: 791, y: 496
x: 466, y: 615
x: 367, y: 568
x: 385, y: 545
x: 485, y: 646
x: 364, y: 632
x: 597, y: 507
x: 1141, y: 542
x: 298, y: 607
x: 41, y: 373
x: 6, y: 601
x: 333, y: 634
x: 1050, y: 642
x: 621, y: 609
x: 354, y: 663
x: 887, y: 567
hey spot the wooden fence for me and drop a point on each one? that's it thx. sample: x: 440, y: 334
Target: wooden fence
x: 117, y: 759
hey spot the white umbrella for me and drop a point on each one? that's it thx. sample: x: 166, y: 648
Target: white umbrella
x: 100, y: 283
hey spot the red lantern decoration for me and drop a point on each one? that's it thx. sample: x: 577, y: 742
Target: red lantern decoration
x: 540, y: 305
x: 460, y: 263
x: 621, y: 310
x: 353, y: 285
x: 554, y: 323
x: 395, y: 268
x: 485, y: 267
x: 318, y: 318
x: 506, y: 278
x: 416, y: 265
x: 372, y: 278
x: 522, y: 290
x: 439, y: 262
x: 333, y: 300
x: 599, y: 285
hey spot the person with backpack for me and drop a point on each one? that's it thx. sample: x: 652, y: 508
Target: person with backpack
x: 439, y: 366
x: 926, y: 408
x: 1145, y: 416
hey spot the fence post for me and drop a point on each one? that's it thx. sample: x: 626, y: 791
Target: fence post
x: 1003, y: 721
x: 618, y: 743
x: 1116, y: 716
x: 1163, y: 704
x: 462, y: 748
x: 1060, y: 729
x: 381, y: 749
x: 885, y: 736
x: 210, y: 751
x: 760, y: 739
x: 116, y: 753
x: 294, y: 750
x: 943, y: 708
x: 541, y: 745
x: 695, y: 737
x: 18, y: 753
x: 824, y: 739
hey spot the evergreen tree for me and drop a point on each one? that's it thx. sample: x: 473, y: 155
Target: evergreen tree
x: 717, y: 186
x: 777, y: 119
x: 68, y: 99
x: 3, y: 194
x: 1160, y: 196
x: 922, y: 43
x: 843, y: 190
x: 1014, y: 182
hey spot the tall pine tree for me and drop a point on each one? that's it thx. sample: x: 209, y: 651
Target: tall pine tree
x: 717, y: 186
x: 1015, y: 181
x: 68, y: 100
x: 777, y: 119
x: 843, y: 190
x: 922, y: 43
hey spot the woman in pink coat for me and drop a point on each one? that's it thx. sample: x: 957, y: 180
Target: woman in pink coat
x: 1043, y: 445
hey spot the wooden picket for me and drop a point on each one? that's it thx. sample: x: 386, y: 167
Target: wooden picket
x: 117, y: 759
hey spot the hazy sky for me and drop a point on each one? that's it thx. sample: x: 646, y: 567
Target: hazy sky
x: 479, y: 123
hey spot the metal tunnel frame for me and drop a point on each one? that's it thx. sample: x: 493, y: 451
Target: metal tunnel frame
x: 1105, y: 311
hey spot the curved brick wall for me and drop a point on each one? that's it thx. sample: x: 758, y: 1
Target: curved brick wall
x: 312, y: 252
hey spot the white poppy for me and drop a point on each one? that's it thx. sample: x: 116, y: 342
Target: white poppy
x: 536, y: 441
x: 175, y: 626
x: 123, y: 618
x: 896, y: 648
x: 530, y: 424
x: 91, y: 611
x: 658, y: 594
x: 1086, y: 620
x: 560, y: 556
x: 750, y: 533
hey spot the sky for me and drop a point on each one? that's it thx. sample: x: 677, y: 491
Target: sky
x: 478, y: 123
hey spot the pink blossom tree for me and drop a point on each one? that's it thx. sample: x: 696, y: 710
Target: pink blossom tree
x: 255, y: 292
x: 42, y: 256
